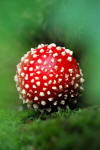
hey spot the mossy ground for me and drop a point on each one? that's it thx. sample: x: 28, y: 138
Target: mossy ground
x: 31, y: 130
x: 74, y: 25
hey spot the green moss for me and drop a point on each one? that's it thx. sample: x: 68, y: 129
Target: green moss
x: 28, y: 130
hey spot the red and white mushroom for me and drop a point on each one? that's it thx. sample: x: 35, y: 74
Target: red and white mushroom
x: 48, y: 77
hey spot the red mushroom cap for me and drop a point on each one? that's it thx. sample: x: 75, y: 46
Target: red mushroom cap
x: 48, y: 77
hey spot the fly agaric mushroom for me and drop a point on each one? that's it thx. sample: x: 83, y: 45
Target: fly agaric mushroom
x: 48, y: 77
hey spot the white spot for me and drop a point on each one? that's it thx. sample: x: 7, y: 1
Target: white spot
x: 24, y: 101
x: 81, y: 80
x: 59, y: 60
x: 77, y: 75
x: 56, y: 67
x: 28, y: 94
x: 62, y: 102
x: 22, y: 74
x: 42, y: 68
x: 23, y: 91
x: 59, y: 80
x: 45, y: 62
x: 50, y: 51
x: 60, y: 87
x: 22, y: 58
x: 34, y: 55
x: 26, y: 77
x: 76, y: 86
x: 32, y: 49
x: 81, y: 88
x: 26, y: 86
x: 66, y: 86
x: 51, y: 75
x: 46, y: 70
x: 63, y: 53
x: 50, y: 81
x: 33, y: 52
x: 65, y: 96
x: 59, y: 95
x: 35, y: 98
x: 44, y: 89
x: 72, y: 83
x: 81, y: 72
x: 58, y: 48
x: 31, y: 62
x: 27, y: 100
x: 43, y: 103
x: 41, y: 93
x: 54, y: 87
x: 72, y: 91
x: 49, y: 66
x: 26, y: 60
x: 18, y: 89
x: 51, y: 45
x: 20, y: 97
x: 45, y: 84
x: 54, y: 82
x: 38, y: 72
x: 62, y: 69
x: 51, y: 70
x: 72, y: 95
x: 35, y: 106
x: 25, y: 68
x: 26, y: 54
x: 69, y: 58
x: 31, y: 74
x: 34, y: 86
x: 73, y: 78
x: 48, y: 92
x: 44, y: 77
x: 69, y: 51
x: 31, y: 69
x: 70, y: 70
x: 16, y: 78
x: 63, y: 47
x: 38, y: 83
x: 37, y: 78
x: 52, y: 60
x: 44, y: 56
x: 56, y: 54
x: 56, y: 75
x: 39, y: 61
x: 42, y: 50
x: 37, y: 67
x: 40, y: 46
x: 19, y: 70
x: 66, y: 76
x: 55, y: 103
x: 32, y: 80
x: 22, y: 82
x: 50, y: 99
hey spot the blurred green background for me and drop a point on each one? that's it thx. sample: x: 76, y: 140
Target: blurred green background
x: 74, y: 24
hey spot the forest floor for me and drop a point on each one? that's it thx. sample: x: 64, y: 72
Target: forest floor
x: 32, y: 130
